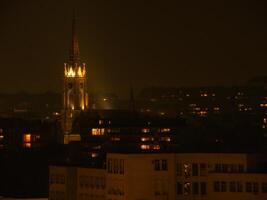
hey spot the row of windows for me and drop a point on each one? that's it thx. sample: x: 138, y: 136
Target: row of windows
x: 116, y: 191
x: 56, y: 195
x: 160, y: 165
x: 229, y: 168
x: 57, y: 179
x: 194, y: 188
x: 92, y: 182
x: 116, y: 166
x: 85, y: 196
x: 235, y: 186
x: 188, y: 169
x: 102, y: 131
x: 200, y: 169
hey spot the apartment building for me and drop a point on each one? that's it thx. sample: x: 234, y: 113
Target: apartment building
x: 164, y: 176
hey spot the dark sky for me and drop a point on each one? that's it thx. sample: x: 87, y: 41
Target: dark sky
x: 148, y: 43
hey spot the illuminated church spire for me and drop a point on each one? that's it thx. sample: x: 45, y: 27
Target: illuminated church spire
x: 75, y: 96
x: 74, y: 50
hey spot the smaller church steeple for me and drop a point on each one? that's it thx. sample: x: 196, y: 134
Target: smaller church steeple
x: 74, y: 50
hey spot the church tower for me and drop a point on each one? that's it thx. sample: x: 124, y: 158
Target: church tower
x: 75, y: 96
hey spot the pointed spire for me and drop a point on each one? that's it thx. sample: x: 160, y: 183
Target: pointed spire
x: 74, y: 50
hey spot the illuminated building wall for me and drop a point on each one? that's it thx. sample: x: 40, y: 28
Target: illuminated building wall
x: 161, y: 176
x: 76, y: 183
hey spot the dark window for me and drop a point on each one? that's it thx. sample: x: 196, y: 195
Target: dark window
x: 178, y: 169
x: 203, y: 169
x: 216, y: 186
x: 195, y: 188
x: 109, y: 166
x: 156, y: 165
x: 264, y: 187
x: 179, y: 188
x: 218, y: 168
x: 241, y: 168
x: 248, y: 187
x: 224, y: 168
x: 233, y: 168
x: 121, y: 166
x: 239, y: 187
x: 203, y: 188
x: 164, y: 165
x: 70, y: 85
x: 116, y: 166
x: 194, y: 169
x: 256, y: 188
x: 81, y: 85
x: 223, y: 186
x: 232, y: 186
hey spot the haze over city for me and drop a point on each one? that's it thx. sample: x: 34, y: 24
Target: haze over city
x: 170, y: 43
x: 133, y: 100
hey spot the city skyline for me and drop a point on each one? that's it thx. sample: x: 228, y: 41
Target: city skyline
x: 170, y: 44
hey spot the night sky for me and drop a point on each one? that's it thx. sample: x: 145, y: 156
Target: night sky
x: 146, y: 43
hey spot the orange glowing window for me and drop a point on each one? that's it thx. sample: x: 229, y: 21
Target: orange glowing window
x: 156, y: 147
x: 165, y: 130
x: 98, y: 131
x: 27, y: 138
x: 145, y: 146
x: 145, y: 130
x: 166, y: 139
x: 27, y: 145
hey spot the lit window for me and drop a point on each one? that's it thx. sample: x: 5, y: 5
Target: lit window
x: 98, y: 131
x: 166, y: 139
x: 27, y: 145
x: 94, y: 155
x: 145, y: 139
x: 116, y: 139
x: 216, y: 108
x: 145, y: 130
x: 156, y: 147
x: 100, y: 122
x: 145, y: 146
x: 165, y: 130
x: 187, y: 170
x: 27, y: 138
x: 187, y: 188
